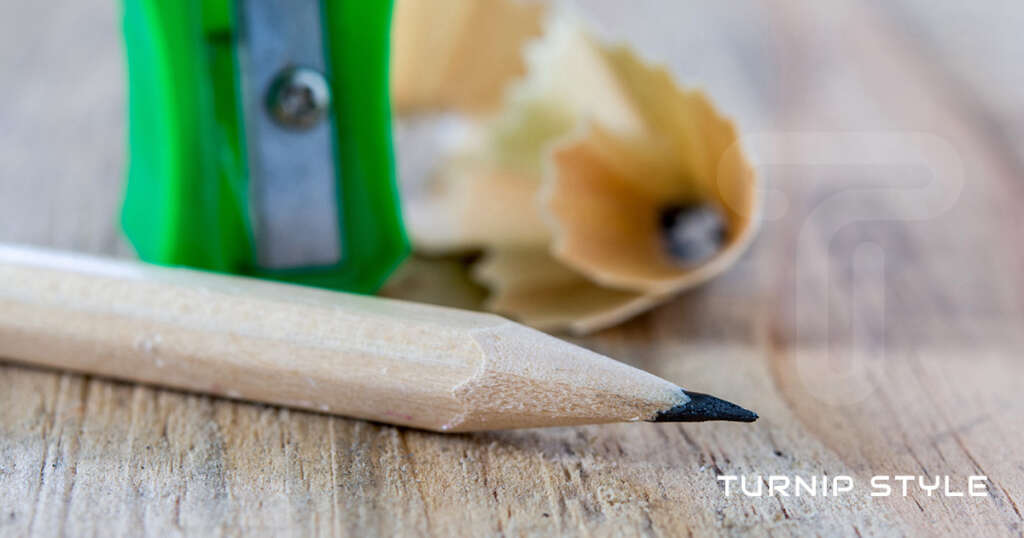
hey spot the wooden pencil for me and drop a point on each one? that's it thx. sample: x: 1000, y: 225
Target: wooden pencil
x: 384, y: 360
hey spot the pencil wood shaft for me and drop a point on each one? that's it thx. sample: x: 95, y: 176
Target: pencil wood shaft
x: 378, y: 359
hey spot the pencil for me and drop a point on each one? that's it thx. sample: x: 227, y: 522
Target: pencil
x: 377, y: 359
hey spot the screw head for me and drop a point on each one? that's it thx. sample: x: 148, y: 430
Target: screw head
x: 298, y: 98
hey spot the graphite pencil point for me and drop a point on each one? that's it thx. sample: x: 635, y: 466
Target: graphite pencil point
x: 702, y: 408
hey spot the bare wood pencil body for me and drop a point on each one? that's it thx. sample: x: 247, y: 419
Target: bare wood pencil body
x: 384, y: 360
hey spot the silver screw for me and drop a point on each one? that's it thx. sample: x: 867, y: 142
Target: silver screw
x: 298, y: 98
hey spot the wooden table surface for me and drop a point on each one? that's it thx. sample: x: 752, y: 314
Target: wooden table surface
x: 876, y: 325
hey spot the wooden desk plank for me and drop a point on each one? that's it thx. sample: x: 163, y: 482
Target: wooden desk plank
x: 937, y: 305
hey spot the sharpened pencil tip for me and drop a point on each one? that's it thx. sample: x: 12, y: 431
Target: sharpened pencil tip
x: 702, y: 408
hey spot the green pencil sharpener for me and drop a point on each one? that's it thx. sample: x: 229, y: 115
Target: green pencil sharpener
x: 260, y: 139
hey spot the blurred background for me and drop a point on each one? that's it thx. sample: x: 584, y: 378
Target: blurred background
x: 772, y: 66
x: 948, y: 69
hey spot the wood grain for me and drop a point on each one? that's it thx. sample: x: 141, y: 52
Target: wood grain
x: 929, y: 311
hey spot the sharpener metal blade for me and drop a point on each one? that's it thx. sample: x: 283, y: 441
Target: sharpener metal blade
x: 292, y: 173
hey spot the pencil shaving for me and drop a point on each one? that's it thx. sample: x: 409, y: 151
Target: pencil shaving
x: 605, y: 198
x: 607, y: 190
x: 484, y: 193
x: 569, y: 189
x: 538, y: 290
x: 474, y: 205
x: 459, y: 54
